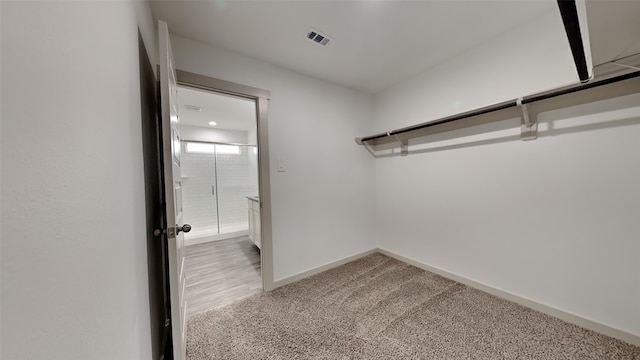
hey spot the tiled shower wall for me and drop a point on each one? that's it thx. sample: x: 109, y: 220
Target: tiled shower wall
x: 236, y: 179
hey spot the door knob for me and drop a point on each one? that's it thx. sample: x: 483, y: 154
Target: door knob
x: 184, y: 228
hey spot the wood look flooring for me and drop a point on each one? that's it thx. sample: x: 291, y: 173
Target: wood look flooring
x: 220, y: 272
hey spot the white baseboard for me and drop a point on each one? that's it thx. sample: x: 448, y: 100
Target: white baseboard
x: 216, y: 237
x: 319, y: 269
x: 546, y: 309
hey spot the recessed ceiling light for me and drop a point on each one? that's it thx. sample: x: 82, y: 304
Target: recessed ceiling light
x: 213, y: 123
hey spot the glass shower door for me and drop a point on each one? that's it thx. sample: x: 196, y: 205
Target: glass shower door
x: 217, y: 178
x: 235, y: 183
x: 200, y: 193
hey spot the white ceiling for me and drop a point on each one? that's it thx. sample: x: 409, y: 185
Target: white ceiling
x: 614, y: 29
x: 376, y: 43
x: 230, y: 113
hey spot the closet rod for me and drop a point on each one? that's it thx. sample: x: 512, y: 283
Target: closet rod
x: 501, y: 106
x: 569, y: 13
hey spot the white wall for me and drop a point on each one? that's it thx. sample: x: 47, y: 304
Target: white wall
x: 553, y: 220
x: 149, y: 31
x: 322, y: 206
x: 526, y: 60
x: 74, y: 262
x: 188, y: 132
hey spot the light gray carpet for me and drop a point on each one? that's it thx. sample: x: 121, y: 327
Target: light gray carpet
x: 380, y: 308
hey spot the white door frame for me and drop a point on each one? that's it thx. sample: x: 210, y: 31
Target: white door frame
x: 261, y: 98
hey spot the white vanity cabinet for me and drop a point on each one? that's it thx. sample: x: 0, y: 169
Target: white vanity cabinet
x: 254, y: 220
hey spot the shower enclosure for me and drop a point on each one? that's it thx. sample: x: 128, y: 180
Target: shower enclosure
x: 216, y: 179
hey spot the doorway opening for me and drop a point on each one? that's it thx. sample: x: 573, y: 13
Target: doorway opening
x: 223, y: 144
x: 219, y: 163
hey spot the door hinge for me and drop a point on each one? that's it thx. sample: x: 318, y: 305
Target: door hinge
x: 171, y: 233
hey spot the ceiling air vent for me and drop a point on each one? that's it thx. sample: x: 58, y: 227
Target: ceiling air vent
x: 318, y: 37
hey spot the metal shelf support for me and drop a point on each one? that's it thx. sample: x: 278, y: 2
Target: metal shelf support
x: 404, y: 145
x: 528, y: 122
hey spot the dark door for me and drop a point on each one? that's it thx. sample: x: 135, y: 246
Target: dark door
x: 157, y: 259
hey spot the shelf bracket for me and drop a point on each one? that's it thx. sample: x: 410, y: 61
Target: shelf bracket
x: 404, y: 145
x: 369, y: 149
x: 528, y: 122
